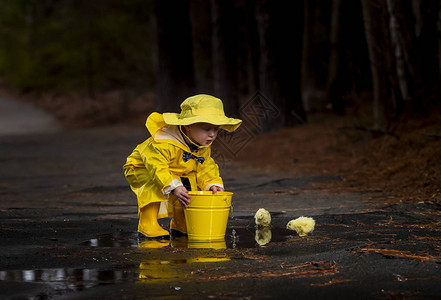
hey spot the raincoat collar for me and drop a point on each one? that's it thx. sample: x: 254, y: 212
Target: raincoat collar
x: 193, y: 146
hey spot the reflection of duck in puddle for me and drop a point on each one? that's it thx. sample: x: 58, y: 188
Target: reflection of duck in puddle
x: 263, y: 236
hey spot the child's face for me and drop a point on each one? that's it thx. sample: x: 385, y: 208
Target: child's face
x: 202, y: 133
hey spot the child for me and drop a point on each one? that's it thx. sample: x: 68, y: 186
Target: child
x: 176, y: 159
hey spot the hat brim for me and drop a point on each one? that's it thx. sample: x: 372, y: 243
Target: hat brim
x: 228, y: 124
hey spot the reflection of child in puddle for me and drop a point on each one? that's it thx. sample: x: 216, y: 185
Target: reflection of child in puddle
x: 174, y: 160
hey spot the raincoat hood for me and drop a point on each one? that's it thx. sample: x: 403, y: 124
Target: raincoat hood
x: 155, y: 122
x: 202, y: 109
x: 162, y: 132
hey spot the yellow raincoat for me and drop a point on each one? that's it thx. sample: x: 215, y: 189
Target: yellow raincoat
x: 156, y: 166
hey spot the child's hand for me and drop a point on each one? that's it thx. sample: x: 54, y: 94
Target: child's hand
x: 216, y: 189
x: 182, y: 194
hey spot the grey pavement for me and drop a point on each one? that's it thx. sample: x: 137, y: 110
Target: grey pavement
x: 17, y: 117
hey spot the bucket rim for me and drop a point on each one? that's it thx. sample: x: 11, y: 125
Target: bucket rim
x: 209, y: 193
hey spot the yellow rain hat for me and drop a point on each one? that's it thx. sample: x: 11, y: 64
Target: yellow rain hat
x: 202, y: 109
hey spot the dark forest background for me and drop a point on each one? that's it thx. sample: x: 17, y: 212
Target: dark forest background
x: 119, y: 58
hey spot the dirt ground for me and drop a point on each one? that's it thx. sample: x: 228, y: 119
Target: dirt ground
x: 404, y: 163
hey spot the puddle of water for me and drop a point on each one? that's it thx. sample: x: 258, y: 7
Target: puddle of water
x: 158, y: 271
x: 241, y: 238
x: 62, y: 280
x: 155, y: 271
x: 235, y: 238
x: 65, y: 279
x: 113, y: 240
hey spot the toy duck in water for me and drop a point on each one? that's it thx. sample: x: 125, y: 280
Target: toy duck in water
x: 262, y: 217
x: 303, y: 225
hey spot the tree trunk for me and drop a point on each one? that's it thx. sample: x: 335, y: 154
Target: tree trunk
x: 439, y: 39
x: 427, y: 16
x: 427, y: 44
x: 405, y: 56
x: 268, y: 83
x: 280, y: 32
x: 175, y: 72
x: 200, y: 17
x: 252, y: 47
x: 374, y: 17
x: 224, y: 47
x: 313, y: 97
x: 335, y: 85
x: 397, y: 44
x: 89, y: 67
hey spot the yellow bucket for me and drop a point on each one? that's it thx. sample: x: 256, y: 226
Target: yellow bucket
x: 207, y: 215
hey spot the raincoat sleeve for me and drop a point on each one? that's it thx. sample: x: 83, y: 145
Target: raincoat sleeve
x: 207, y: 174
x: 156, y: 159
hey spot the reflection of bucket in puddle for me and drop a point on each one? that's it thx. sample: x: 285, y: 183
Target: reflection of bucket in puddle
x: 207, y: 215
x: 219, y: 244
x: 184, y: 242
x: 158, y: 270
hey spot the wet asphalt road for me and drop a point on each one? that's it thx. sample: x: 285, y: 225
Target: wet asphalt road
x: 68, y: 231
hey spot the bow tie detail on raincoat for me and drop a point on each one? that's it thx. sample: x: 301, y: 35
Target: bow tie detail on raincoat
x: 187, y: 155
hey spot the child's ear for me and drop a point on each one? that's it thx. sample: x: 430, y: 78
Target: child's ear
x: 187, y: 128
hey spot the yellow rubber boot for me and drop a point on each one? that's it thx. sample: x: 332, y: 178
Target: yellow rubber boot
x: 178, y: 227
x: 148, y: 221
